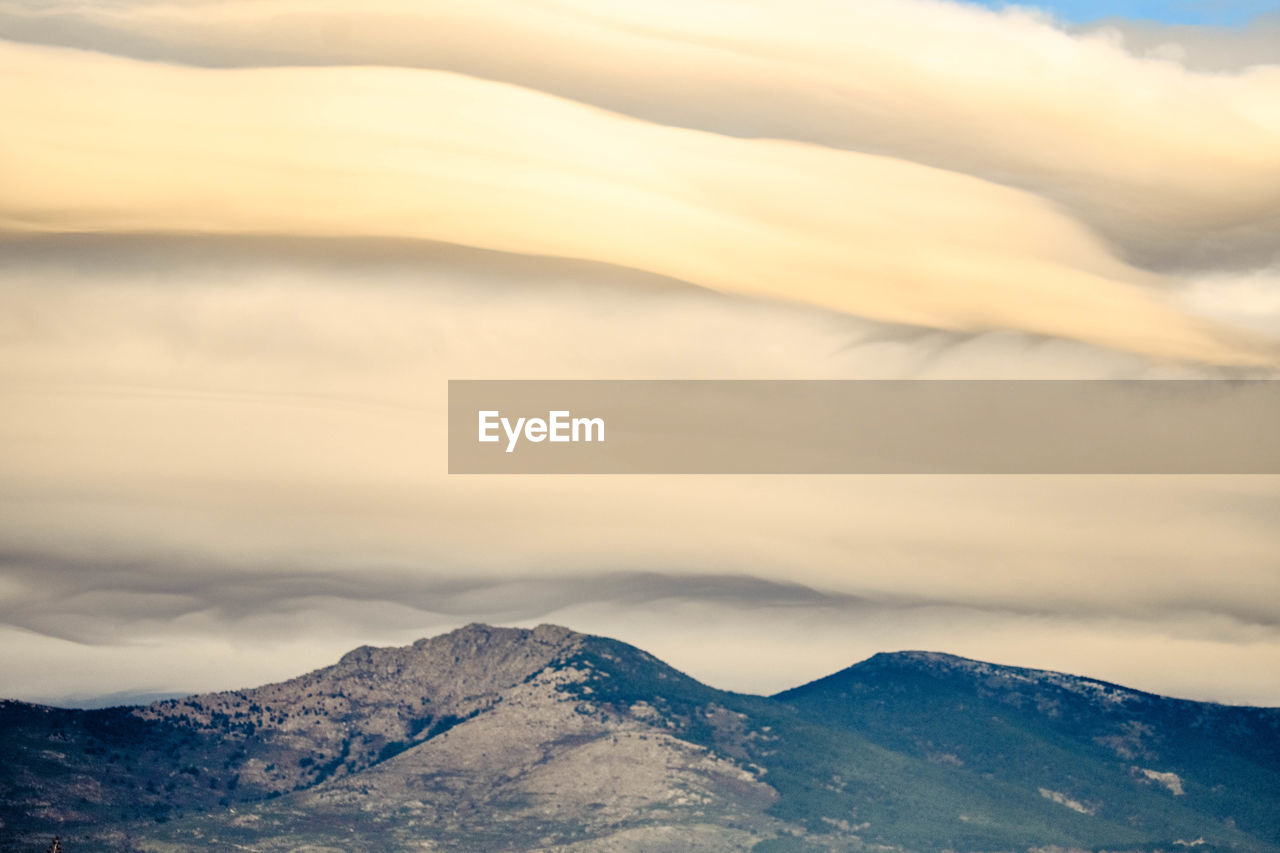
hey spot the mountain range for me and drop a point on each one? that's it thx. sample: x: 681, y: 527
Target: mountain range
x: 546, y: 739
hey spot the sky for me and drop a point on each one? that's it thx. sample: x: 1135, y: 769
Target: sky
x: 244, y: 245
x: 1223, y: 13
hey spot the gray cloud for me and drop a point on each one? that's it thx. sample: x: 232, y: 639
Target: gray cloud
x: 105, y: 601
x: 174, y: 609
x: 1200, y: 48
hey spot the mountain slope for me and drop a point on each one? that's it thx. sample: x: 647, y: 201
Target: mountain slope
x: 509, y: 739
x: 1204, y: 769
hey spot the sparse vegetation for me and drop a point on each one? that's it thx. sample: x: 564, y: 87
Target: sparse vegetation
x: 502, y: 739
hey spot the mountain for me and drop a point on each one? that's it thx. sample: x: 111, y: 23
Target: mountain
x: 1084, y: 742
x: 509, y: 739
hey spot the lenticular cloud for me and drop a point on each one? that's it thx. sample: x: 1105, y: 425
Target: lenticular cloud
x: 434, y: 155
x: 244, y: 244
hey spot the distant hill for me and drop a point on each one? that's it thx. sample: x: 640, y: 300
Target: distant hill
x: 546, y: 739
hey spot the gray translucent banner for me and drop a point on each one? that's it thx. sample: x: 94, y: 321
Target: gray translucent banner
x: 864, y: 427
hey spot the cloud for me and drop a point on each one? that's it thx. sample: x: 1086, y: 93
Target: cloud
x: 1247, y: 301
x: 233, y: 294
x: 102, y: 599
x: 365, y: 152
x: 1175, y: 167
x: 1199, y: 48
x: 720, y: 628
x: 216, y: 442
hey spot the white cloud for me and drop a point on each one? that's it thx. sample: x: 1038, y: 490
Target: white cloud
x: 431, y: 155
x: 1174, y: 166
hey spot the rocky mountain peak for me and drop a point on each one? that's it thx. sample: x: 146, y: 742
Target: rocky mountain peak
x: 543, y: 738
x: 483, y: 657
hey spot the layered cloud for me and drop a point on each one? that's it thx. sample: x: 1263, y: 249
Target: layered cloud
x: 1173, y: 166
x: 244, y: 245
x: 435, y: 155
x: 219, y: 446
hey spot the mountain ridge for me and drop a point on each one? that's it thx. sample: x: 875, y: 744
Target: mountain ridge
x: 546, y: 738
